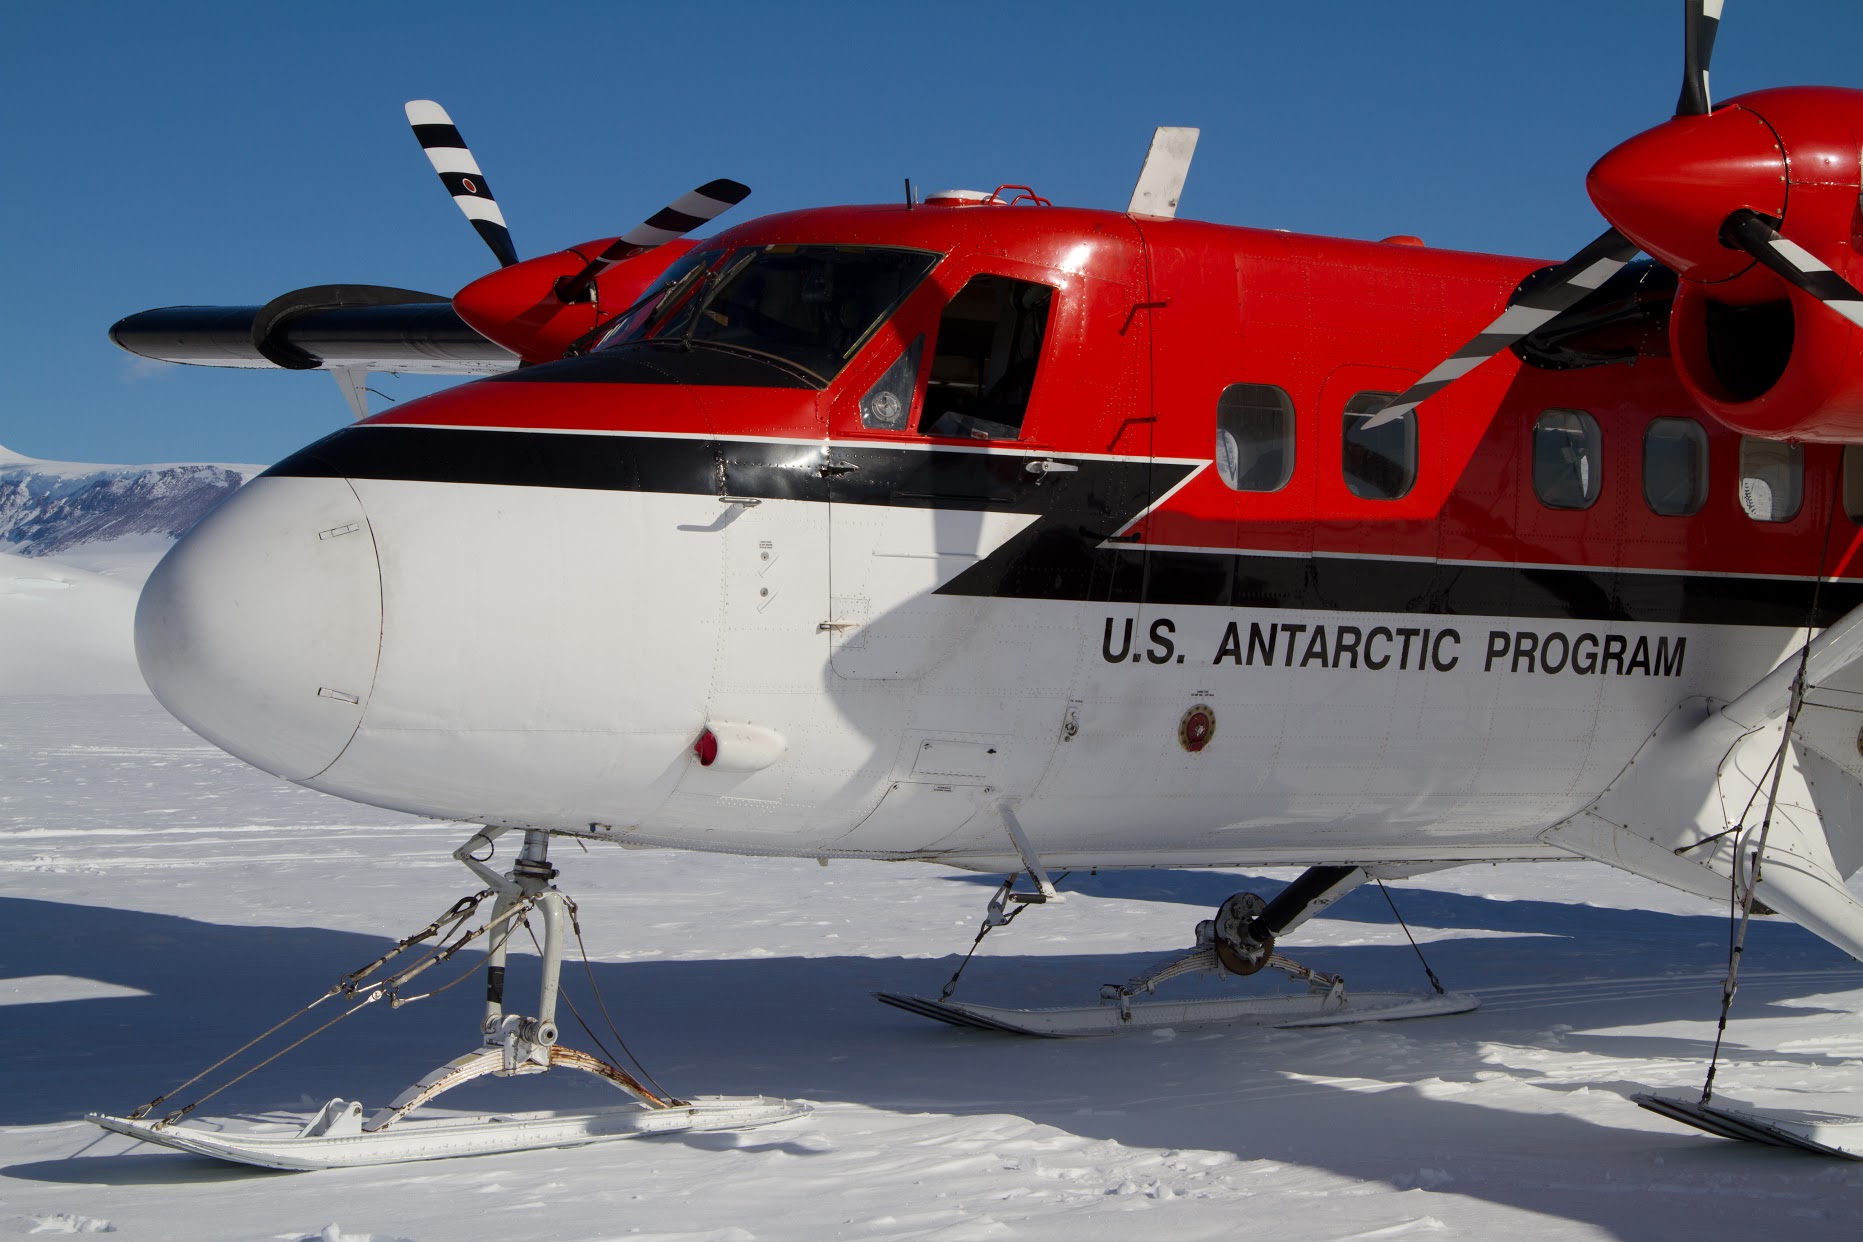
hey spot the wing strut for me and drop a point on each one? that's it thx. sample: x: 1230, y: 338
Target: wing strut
x: 1833, y: 650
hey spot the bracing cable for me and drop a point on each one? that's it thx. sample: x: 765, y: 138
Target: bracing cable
x: 1434, y: 981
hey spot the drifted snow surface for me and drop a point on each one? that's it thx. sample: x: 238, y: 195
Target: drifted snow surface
x: 160, y: 902
x: 68, y: 629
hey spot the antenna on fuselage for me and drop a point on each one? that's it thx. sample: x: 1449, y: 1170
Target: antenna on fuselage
x: 1161, y: 180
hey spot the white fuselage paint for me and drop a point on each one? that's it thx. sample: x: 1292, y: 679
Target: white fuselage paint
x: 548, y: 656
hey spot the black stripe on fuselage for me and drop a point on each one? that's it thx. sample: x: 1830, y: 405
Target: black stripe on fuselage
x: 1106, y: 493
x: 1062, y: 555
x: 1371, y: 583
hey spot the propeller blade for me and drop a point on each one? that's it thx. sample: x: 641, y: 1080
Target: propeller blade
x: 676, y: 219
x: 1560, y: 289
x: 1754, y: 233
x: 1702, y: 23
x: 459, y: 172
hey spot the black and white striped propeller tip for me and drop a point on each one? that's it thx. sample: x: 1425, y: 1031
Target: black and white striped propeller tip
x: 1702, y: 21
x: 687, y: 212
x: 1560, y: 289
x: 460, y: 173
x: 1754, y: 233
x: 676, y: 219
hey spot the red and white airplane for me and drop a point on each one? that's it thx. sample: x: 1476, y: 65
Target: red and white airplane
x: 1021, y: 537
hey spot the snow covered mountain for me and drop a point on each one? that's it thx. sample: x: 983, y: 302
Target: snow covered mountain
x: 48, y: 508
x: 76, y: 543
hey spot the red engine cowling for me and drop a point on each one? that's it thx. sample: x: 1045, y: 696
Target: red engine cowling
x: 1780, y: 365
x: 1760, y: 355
x: 518, y: 307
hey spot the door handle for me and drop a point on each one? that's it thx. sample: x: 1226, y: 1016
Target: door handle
x: 1046, y: 466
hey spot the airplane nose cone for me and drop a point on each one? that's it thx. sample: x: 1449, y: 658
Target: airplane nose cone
x: 260, y: 629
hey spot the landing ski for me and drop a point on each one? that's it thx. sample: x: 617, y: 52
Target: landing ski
x: 335, y: 1139
x: 509, y: 1045
x: 1827, y: 1134
x: 1065, y: 1022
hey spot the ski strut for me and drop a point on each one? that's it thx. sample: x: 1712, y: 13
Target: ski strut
x: 511, y: 1044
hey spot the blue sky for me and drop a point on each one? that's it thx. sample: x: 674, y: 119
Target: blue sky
x: 207, y: 153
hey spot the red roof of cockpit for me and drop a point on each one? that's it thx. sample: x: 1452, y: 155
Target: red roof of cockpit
x: 1039, y: 235
x: 1049, y: 235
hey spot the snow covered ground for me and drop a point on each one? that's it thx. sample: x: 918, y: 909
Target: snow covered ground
x: 77, y: 541
x: 66, y: 627
x: 159, y: 903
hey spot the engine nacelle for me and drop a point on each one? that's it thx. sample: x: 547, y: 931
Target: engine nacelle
x: 1756, y: 352
x: 518, y: 306
x: 1781, y: 365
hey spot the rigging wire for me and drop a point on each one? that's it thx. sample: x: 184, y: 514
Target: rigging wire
x: 1740, y: 914
x: 349, y: 985
x: 994, y: 919
x: 991, y: 921
x: 1434, y: 981
x: 588, y: 967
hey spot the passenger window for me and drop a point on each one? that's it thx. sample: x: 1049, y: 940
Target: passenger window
x: 1255, y: 437
x: 1675, y: 466
x: 888, y: 403
x: 1853, y: 482
x: 1380, y: 463
x: 1772, y: 479
x: 983, y: 367
x: 1568, y: 453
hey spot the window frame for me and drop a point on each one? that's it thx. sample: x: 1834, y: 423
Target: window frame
x: 911, y: 361
x: 1698, y: 438
x: 1289, y: 438
x: 1593, y: 439
x: 1373, y: 400
x: 1795, y: 461
x: 924, y: 422
x: 1846, y: 490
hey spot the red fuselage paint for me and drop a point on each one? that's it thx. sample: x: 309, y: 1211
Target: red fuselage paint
x: 1154, y: 318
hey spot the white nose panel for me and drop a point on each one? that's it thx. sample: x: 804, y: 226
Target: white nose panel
x: 260, y: 629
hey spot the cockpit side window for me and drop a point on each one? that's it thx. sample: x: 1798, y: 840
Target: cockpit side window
x: 983, y: 366
x: 888, y: 404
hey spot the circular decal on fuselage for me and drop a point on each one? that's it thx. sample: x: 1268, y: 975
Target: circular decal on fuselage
x: 1197, y: 727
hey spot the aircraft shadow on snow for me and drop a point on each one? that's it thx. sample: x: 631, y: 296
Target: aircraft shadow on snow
x: 805, y: 1027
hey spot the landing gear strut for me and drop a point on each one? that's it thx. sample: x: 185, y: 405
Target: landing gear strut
x: 1239, y: 941
x: 1233, y: 936
x: 511, y: 1044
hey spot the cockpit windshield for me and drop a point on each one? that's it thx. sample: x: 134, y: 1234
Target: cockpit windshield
x: 810, y: 307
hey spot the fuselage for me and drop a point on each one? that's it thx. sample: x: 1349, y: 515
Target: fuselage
x: 1085, y: 523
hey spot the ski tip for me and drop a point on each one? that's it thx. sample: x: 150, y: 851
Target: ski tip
x: 952, y: 1014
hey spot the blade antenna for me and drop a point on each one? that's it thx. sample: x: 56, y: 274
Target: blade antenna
x: 675, y: 220
x: 459, y: 172
x: 1702, y: 21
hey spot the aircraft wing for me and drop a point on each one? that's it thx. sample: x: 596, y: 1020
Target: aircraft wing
x: 325, y: 327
